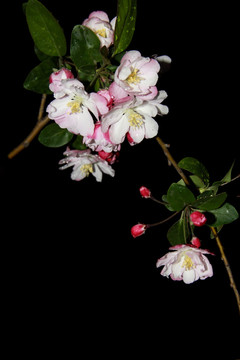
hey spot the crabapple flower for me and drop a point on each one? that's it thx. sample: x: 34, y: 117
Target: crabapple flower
x: 145, y: 192
x: 84, y: 164
x: 74, y: 110
x: 138, y: 230
x: 186, y: 263
x: 198, y: 218
x: 100, y: 141
x: 55, y: 81
x: 135, y: 117
x: 99, y: 23
x: 137, y: 74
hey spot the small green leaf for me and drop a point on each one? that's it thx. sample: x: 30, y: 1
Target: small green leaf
x: 53, y: 136
x: 38, y: 78
x: 228, y: 177
x: 210, y: 202
x: 125, y: 24
x: 85, y: 49
x: 196, y: 168
x: 176, y: 234
x: 179, y: 196
x: 45, y: 30
x: 223, y: 215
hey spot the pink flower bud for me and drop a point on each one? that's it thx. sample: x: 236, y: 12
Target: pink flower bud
x: 196, y: 242
x: 138, y: 230
x: 198, y: 218
x: 145, y: 192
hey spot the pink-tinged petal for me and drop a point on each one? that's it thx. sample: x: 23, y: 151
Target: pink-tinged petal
x: 189, y: 276
x: 118, y: 130
x: 100, y: 15
x: 131, y: 56
x: 151, y: 127
x: 153, y: 91
x: 137, y: 134
x: 149, y: 67
x: 118, y: 93
x: 100, y: 102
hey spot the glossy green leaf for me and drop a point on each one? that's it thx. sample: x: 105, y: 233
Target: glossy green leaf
x: 176, y: 233
x: 210, y: 202
x: 179, y: 196
x: 125, y: 24
x: 223, y: 215
x: 45, y: 30
x: 78, y: 143
x: 53, y: 136
x: 38, y: 78
x: 195, y: 167
x: 85, y: 49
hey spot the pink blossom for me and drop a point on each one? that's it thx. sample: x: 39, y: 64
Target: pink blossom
x: 136, y: 74
x: 198, y: 218
x: 84, y: 163
x: 100, y: 141
x: 111, y: 157
x: 138, y: 230
x: 74, y: 111
x: 99, y: 23
x: 145, y: 192
x: 186, y: 263
x: 55, y: 81
x: 135, y: 118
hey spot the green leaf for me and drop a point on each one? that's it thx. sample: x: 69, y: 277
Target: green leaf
x: 176, y: 233
x: 224, y: 215
x: 195, y: 167
x: 210, y: 202
x: 179, y: 196
x: 78, y: 143
x: 125, y: 24
x: 38, y: 78
x: 53, y: 136
x: 85, y: 49
x: 45, y: 30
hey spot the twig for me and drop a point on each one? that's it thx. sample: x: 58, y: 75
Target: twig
x: 219, y: 244
x: 227, y: 266
x: 41, y: 122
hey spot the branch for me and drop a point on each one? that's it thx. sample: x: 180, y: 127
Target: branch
x: 41, y: 122
x: 219, y: 244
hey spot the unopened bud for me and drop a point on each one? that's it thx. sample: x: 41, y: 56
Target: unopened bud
x: 196, y: 242
x: 198, y: 218
x: 138, y: 230
x: 145, y: 192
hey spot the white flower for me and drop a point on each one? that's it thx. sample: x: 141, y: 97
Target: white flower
x: 84, y: 163
x: 137, y: 74
x: 186, y: 263
x: 134, y: 117
x: 73, y: 111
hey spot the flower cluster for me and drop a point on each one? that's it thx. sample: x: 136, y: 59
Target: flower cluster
x: 124, y: 110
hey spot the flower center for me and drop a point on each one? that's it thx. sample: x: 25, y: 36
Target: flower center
x: 187, y: 263
x: 135, y: 119
x: 86, y: 169
x: 101, y: 32
x: 75, y: 104
x: 133, y: 78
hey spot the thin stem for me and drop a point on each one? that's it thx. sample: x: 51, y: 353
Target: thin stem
x: 162, y: 221
x: 41, y: 122
x: 227, y: 266
x: 172, y: 161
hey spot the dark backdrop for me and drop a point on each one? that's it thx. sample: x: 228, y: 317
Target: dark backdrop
x: 74, y: 278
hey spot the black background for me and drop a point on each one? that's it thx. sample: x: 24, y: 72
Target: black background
x: 74, y: 278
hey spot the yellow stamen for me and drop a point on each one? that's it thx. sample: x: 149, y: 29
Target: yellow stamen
x: 86, y: 169
x: 101, y: 32
x: 187, y: 263
x: 135, y: 119
x: 133, y: 78
x: 75, y: 105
